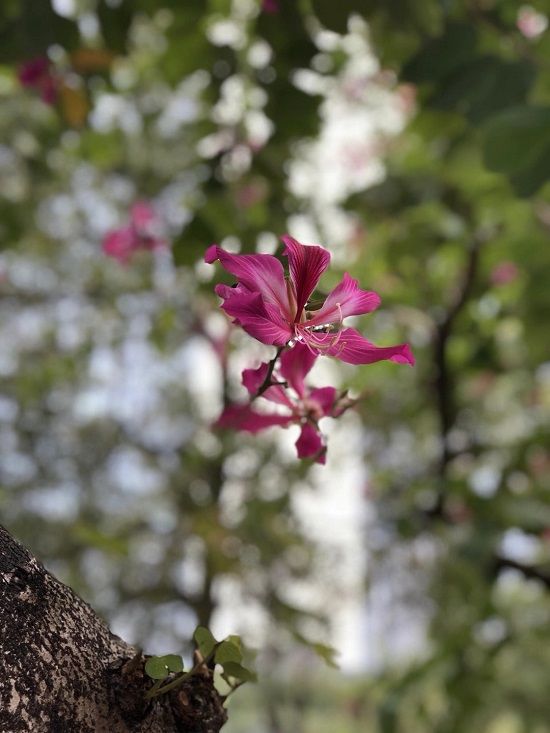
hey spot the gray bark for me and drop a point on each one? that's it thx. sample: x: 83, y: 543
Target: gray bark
x: 62, y: 671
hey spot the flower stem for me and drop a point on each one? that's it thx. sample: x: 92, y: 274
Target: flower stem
x: 266, y: 384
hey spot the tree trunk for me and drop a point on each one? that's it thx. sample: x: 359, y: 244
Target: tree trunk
x: 62, y: 671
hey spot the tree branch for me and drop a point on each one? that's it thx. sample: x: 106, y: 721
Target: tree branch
x: 528, y: 571
x: 444, y: 383
x: 63, y: 671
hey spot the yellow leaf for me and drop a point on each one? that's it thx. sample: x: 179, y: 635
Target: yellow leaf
x: 88, y: 60
x: 74, y: 105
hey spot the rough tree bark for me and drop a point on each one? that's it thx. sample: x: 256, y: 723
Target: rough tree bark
x: 62, y: 671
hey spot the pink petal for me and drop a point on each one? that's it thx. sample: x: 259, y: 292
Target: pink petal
x: 142, y: 216
x: 253, y: 379
x: 31, y: 72
x: 48, y: 90
x: 353, y: 348
x: 148, y: 226
x: 262, y: 321
x: 309, y: 444
x: 278, y: 395
x: 243, y: 417
x: 295, y: 363
x: 228, y: 291
x: 324, y: 397
x: 347, y: 299
x: 258, y: 273
x: 504, y: 273
x: 307, y: 263
x: 120, y: 243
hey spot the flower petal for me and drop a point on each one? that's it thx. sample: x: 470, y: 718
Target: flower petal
x: 243, y: 417
x: 278, y: 395
x: 262, y: 321
x: 147, y: 226
x: 307, y: 263
x: 354, y: 348
x: 253, y: 379
x: 48, y: 90
x: 33, y: 71
x: 325, y: 398
x: 310, y: 444
x: 295, y: 363
x: 347, y: 299
x: 258, y: 273
x: 120, y: 243
x: 143, y: 217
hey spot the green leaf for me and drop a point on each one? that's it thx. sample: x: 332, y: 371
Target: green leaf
x: 388, y: 714
x: 227, y: 651
x: 158, y: 668
x: 323, y: 651
x: 205, y: 640
x: 517, y: 143
x: 441, y: 56
x: 334, y: 15
x: 483, y: 87
x: 174, y: 662
x: 326, y: 653
x: 291, y: 50
x: 32, y: 29
x: 238, y: 672
x: 115, y: 21
x: 236, y: 640
x: 190, y: 246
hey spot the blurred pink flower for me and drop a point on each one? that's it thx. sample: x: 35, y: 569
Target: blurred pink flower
x: 302, y: 405
x: 504, y: 273
x: 251, y: 194
x: 143, y: 232
x: 406, y: 97
x: 120, y: 243
x: 270, y: 6
x: 272, y: 309
x: 530, y: 22
x: 36, y: 74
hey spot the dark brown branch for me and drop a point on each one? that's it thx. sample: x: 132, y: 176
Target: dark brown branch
x: 444, y: 383
x: 63, y: 671
x: 528, y: 571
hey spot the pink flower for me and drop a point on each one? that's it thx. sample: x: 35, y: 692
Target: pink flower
x: 36, y: 74
x: 302, y: 406
x: 146, y: 224
x: 504, y: 273
x: 143, y: 232
x: 270, y: 6
x: 120, y: 243
x: 274, y: 310
x: 531, y: 23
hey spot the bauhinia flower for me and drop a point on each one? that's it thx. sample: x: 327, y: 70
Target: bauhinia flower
x: 275, y: 310
x: 37, y: 74
x: 300, y: 404
x: 270, y: 6
x: 144, y: 232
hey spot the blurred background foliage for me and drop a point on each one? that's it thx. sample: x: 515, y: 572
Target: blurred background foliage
x: 413, y: 140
